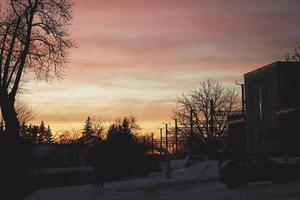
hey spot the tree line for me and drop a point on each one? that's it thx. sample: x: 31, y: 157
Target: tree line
x: 115, y: 152
x: 201, y: 115
x: 35, y: 134
x: 121, y: 153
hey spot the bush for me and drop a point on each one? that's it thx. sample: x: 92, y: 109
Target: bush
x: 115, y: 160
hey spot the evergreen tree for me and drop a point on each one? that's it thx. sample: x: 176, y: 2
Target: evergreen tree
x: 33, y: 131
x: 123, y: 151
x: 88, y: 133
x: 44, y: 134
x: 24, y: 132
x: 122, y: 131
x: 41, y: 133
x: 48, y: 136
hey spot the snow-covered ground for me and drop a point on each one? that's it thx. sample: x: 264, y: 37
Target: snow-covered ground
x: 199, y: 181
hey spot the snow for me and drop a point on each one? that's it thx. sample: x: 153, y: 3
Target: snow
x: 200, y: 171
x: 195, y: 182
x: 286, y: 159
x: 178, y: 164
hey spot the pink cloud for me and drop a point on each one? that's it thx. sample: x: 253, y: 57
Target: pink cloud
x: 132, y: 48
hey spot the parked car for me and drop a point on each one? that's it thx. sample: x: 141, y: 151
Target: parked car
x: 240, y: 172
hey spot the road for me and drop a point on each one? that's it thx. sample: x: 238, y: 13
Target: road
x: 208, y: 190
x: 217, y: 191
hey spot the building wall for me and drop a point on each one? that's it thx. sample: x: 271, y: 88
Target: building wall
x: 261, y: 104
x: 289, y: 85
x: 268, y: 90
x: 289, y: 107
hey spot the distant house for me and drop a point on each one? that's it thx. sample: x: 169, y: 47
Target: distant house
x: 272, y: 95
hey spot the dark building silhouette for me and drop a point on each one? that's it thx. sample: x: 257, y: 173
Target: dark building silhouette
x: 272, y: 95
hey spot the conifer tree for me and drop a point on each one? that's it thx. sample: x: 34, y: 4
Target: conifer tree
x: 48, y: 136
x: 44, y: 134
x: 24, y: 131
x: 33, y: 133
x: 88, y: 133
x: 41, y: 133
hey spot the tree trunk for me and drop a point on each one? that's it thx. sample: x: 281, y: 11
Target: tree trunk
x: 12, y: 125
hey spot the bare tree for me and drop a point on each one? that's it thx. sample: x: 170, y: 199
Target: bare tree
x: 34, y: 41
x: 131, y: 122
x: 69, y: 137
x: 24, y: 111
x: 295, y: 56
x: 202, y: 113
x: 98, y: 126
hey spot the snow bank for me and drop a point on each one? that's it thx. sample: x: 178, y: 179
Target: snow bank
x: 202, y: 171
x: 178, y: 164
x: 287, y: 159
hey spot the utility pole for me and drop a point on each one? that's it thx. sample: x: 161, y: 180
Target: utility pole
x: 167, y: 137
x: 168, y: 162
x: 161, y: 140
x: 152, y: 144
x: 212, y: 114
x: 191, y: 131
x: 176, y: 133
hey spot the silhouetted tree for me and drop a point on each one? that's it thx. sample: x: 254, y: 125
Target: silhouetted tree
x: 48, y: 136
x: 98, y: 127
x: 88, y: 134
x: 72, y: 136
x: 33, y: 38
x: 33, y: 41
x: 24, y: 111
x: 33, y: 131
x: 120, y: 155
x: 44, y: 134
x: 202, y: 115
x: 41, y: 133
x: 24, y: 133
x: 123, y: 130
x: 295, y: 56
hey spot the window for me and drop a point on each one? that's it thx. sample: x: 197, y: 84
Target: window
x: 260, y: 105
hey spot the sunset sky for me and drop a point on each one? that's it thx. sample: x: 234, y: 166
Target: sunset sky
x: 136, y: 56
